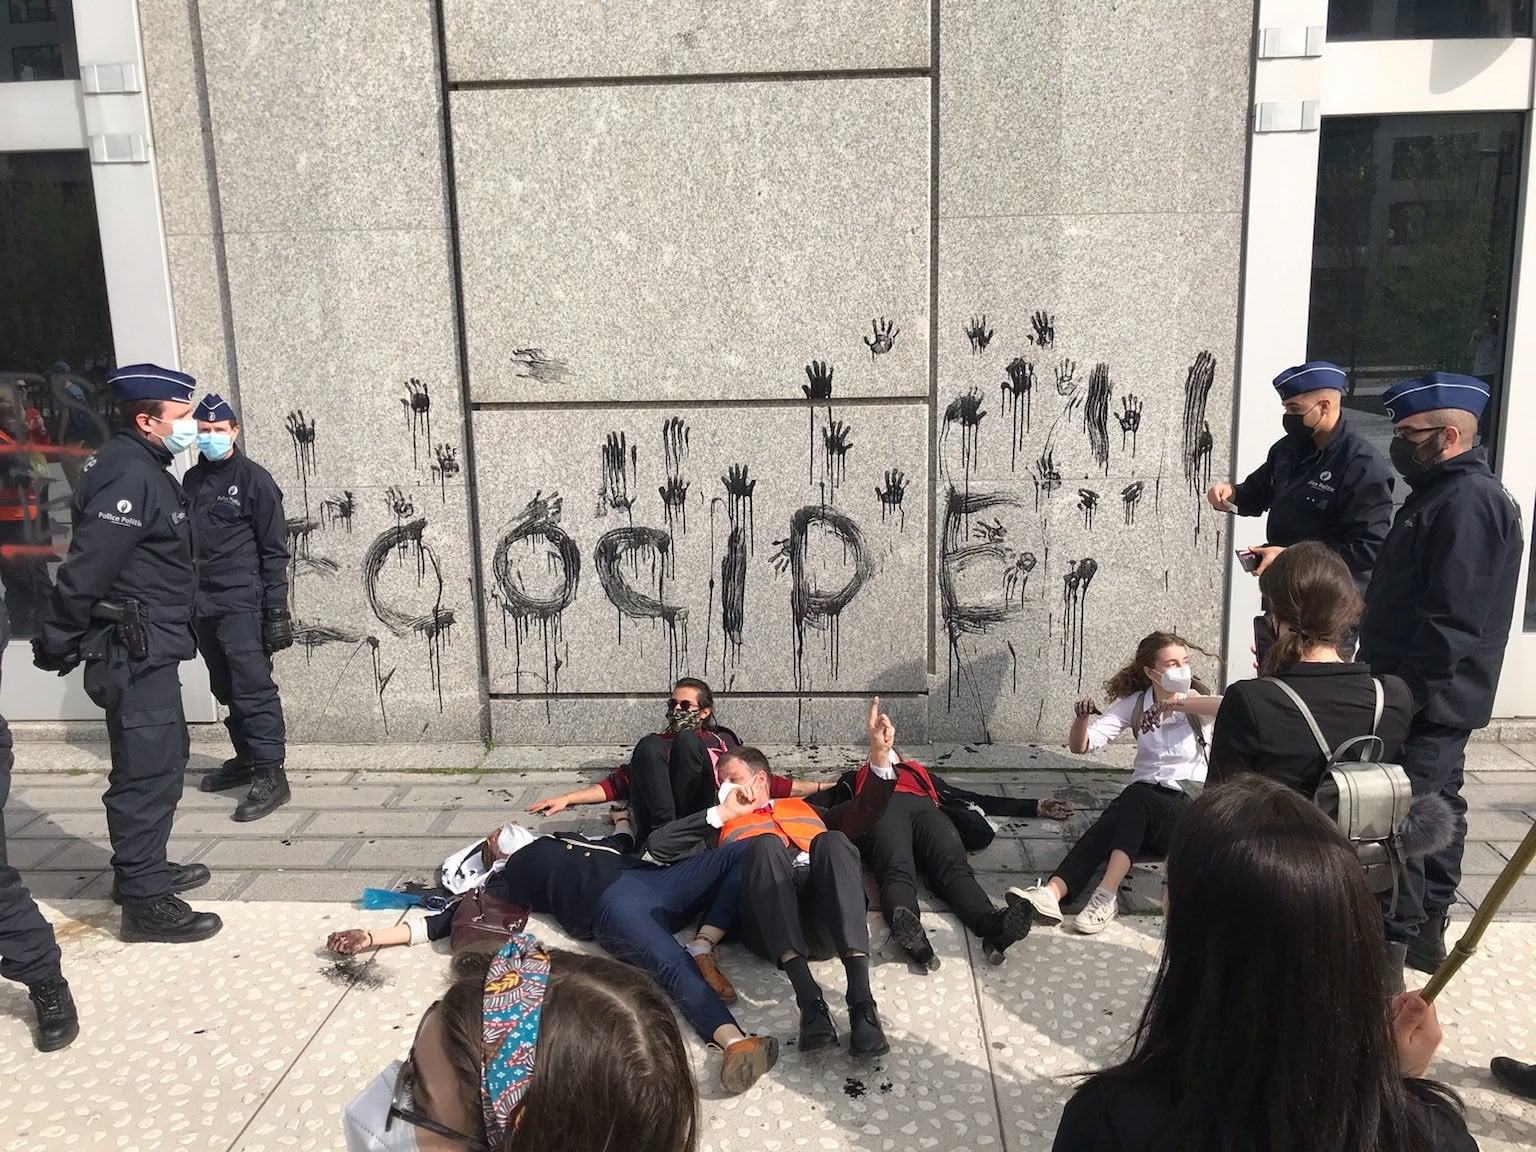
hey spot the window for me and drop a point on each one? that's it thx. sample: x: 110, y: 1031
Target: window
x: 33, y: 11
x: 40, y: 36
x: 1412, y: 252
x: 37, y: 62
x: 1427, y: 19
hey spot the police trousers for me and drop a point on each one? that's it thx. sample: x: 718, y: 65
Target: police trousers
x: 638, y: 914
x: 148, y: 733
x: 28, y: 951
x: 240, y: 673
x: 815, y: 910
x: 1434, y: 757
x: 914, y: 837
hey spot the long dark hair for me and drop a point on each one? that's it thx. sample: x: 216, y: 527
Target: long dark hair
x: 1309, y: 589
x: 1269, y: 1012
x: 1131, y: 679
x: 611, y: 1070
x: 706, y: 698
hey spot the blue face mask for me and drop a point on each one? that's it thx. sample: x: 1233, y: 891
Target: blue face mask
x: 182, y: 435
x: 215, y: 445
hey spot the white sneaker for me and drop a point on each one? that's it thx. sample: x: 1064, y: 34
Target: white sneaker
x: 1102, y: 907
x: 1041, y: 898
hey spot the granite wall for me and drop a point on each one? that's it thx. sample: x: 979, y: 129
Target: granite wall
x: 812, y: 348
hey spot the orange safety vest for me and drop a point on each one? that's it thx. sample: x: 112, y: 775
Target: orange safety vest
x: 16, y: 503
x: 792, y: 820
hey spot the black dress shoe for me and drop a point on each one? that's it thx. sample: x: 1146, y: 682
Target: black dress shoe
x: 816, y: 1028
x: 234, y: 773
x: 1517, y: 1077
x: 907, y: 930
x: 57, y: 1022
x: 166, y: 920
x: 184, y: 878
x: 1427, y: 952
x: 866, y: 1038
x: 1012, y: 926
x: 269, y: 791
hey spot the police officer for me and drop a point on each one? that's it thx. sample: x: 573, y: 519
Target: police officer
x: 28, y: 952
x: 123, y: 604
x: 1322, y: 481
x: 241, y: 616
x: 1437, y: 614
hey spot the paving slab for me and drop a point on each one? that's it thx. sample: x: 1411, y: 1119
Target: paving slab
x: 293, y: 852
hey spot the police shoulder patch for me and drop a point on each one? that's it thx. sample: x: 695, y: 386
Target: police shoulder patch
x: 90, y: 463
x: 234, y: 489
x: 125, y: 506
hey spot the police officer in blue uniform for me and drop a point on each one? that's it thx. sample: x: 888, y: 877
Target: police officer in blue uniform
x: 241, y: 616
x: 1322, y: 481
x: 122, y: 603
x: 1437, y: 614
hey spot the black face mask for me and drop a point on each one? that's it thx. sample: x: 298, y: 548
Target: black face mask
x: 1295, y: 425
x: 1411, y: 460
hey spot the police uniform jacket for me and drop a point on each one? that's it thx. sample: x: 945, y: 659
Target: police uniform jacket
x: 132, y: 538
x: 242, y: 537
x: 1438, y: 609
x: 1339, y: 494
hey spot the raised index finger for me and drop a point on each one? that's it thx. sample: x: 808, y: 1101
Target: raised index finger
x: 874, y: 711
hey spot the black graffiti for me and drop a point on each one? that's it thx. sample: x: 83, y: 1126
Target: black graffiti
x: 1087, y: 502
x: 1018, y: 401
x: 532, y: 364
x: 621, y: 467
x: 1016, y: 580
x: 1066, y: 378
x: 1047, y: 476
x: 819, y: 374
x: 991, y: 531
x: 445, y: 467
x: 1197, y: 431
x: 738, y: 489
x: 810, y: 606
x: 884, y: 337
x: 966, y: 411
x: 1096, y: 414
x: 417, y: 404
x: 435, y: 626
x: 978, y: 333
x: 891, y: 497
x: 1044, y: 325
x: 339, y: 510
x: 306, y: 456
x: 536, y: 530
x: 1129, y: 419
x: 402, y: 507
x: 309, y: 636
x: 1130, y: 499
x: 733, y: 568
x: 835, y: 445
x: 675, y: 437
x: 634, y: 544
x: 1074, y: 598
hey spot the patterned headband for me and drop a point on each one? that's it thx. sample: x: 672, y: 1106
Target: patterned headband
x: 514, y: 999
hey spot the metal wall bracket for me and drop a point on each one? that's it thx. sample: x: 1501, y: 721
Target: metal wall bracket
x: 119, y: 148
x: 109, y: 79
x: 1289, y: 43
x: 1285, y: 116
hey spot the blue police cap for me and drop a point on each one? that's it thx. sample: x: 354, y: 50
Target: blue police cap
x: 1435, y: 390
x: 1309, y: 377
x: 213, y: 409
x: 151, y: 382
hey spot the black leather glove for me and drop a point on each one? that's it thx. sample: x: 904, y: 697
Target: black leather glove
x: 276, y: 630
x: 52, y: 662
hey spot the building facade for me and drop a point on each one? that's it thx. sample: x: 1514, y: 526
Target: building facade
x: 814, y: 349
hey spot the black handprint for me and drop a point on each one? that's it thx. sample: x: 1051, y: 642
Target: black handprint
x: 1066, y: 377
x: 617, y: 457
x: 447, y: 461
x: 1087, y: 503
x: 1047, y: 478
x: 885, y: 336
x: 674, y: 495
x: 1045, y: 329
x: 1021, y: 377
x: 1129, y: 416
x: 820, y: 376
x: 1016, y: 577
x: 736, y: 482
x: 834, y: 438
x: 991, y: 532
x: 892, y: 494
x: 978, y: 333
x: 399, y: 503
x: 417, y: 400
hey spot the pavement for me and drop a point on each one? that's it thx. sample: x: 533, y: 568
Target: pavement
x: 256, y: 1039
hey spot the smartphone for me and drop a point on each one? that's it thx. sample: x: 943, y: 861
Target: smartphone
x: 1249, y: 559
x: 1228, y: 506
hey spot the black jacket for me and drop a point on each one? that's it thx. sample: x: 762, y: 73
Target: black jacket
x: 1438, y: 609
x: 242, y: 537
x: 132, y: 537
x: 1005, y: 806
x: 1339, y: 494
x: 1259, y: 729
x: 563, y: 877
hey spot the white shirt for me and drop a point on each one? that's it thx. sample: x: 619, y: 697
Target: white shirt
x: 1167, y: 754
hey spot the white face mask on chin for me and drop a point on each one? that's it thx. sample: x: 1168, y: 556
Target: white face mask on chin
x: 365, y: 1118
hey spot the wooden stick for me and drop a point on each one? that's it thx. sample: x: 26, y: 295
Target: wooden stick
x: 1467, y: 945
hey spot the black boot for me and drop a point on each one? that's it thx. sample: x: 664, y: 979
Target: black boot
x: 1517, y: 1077
x: 1427, y: 952
x: 1012, y: 924
x: 234, y: 773
x: 57, y: 1022
x: 816, y: 1028
x: 866, y: 1037
x: 184, y: 878
x: 907, y: 930
x: 166, y: 920
x: 269, y: 791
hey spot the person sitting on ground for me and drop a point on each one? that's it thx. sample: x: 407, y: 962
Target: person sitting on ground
x: 1158, y: 699
x: 1266, y: 1027
x: 920, y: 833
x: 632, y: 909
x: 531, y: 1050
x: 671, y: 773
x: 802, y: 883
x: 1314, y: 609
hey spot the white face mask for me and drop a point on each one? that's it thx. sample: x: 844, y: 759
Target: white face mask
x: 726, y: 788
x: 364, y: 1120
x: 514, y: 838
x: 1176, y: 679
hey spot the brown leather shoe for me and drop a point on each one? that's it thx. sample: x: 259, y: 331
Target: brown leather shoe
x: 745, y: 1062
x: 715, y: 978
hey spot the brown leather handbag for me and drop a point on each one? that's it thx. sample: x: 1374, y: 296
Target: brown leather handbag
x: 483, y: 923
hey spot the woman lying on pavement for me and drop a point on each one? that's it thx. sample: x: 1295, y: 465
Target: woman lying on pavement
x: 632, y: 909
x: 671, y: 773
x: 920, y: 834
x: 536, y: 1048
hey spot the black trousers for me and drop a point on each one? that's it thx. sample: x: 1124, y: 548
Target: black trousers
x: 148, y: 733
x: 914, y: 838
x: 28, y: 951
x: 816, y: 911
x: 240, y: 673
x: 1434, y: 756
x: 1139, y: 822
x: 668, y: 779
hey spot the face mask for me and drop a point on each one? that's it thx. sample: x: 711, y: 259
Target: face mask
x: 1411, y: 460
x: 726, y: 789
x: 513, y: 838
x: 364, y: 1120
x: 690, y: 721
x: 183, y: 435
x: 1295, y: 425
x: 215, y: 445
x: 1177, y: 679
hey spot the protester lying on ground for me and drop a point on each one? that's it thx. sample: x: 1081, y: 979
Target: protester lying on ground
x: 632, y: 909
x: 1267, y: 1026
x: 531, y: 1050
x: 1158, y: 699
x: 801, y: 881
x: 670, y: 773
x: 927, y: 829
x: 1314, y: 609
